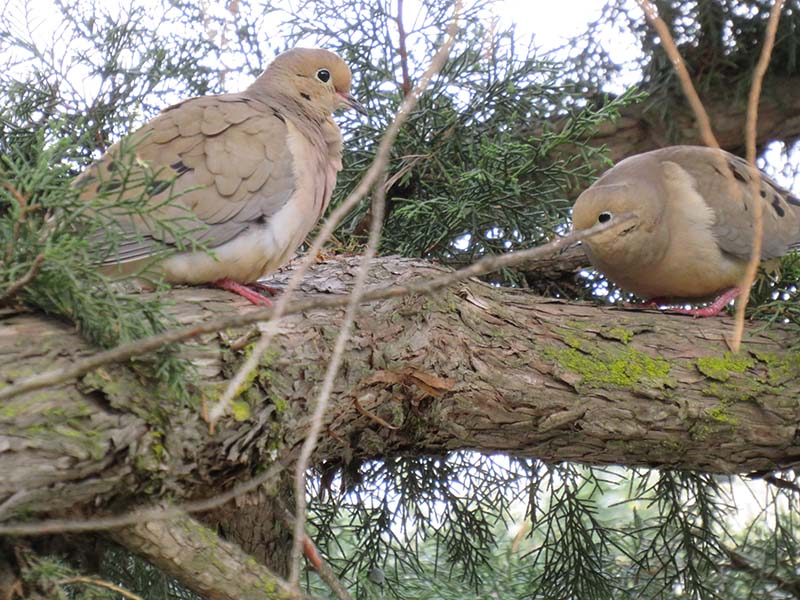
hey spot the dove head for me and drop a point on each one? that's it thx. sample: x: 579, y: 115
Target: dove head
x: 633, y: 212
x: 315, y: 81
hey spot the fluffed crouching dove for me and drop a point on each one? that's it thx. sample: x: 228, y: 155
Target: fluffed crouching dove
x: 690, y: 224
x: 249, y: 174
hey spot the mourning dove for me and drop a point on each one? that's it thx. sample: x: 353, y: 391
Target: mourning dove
x: 249, y: 175
x: 686, y: 224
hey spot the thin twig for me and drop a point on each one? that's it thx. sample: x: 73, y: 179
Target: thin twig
x: 124, y: 352
x: 321, y: 407
x: 324, y: 570
x: 679, y: 65
x: 47, y: 229
x: 707, y: 135
x: 409, y: 162
x: 402, y: 50
x: 100, y: 583
x: 327, y: 574
x: 367, y: 182
x: 157, y: 513
x: 20, y: 283
x: 755, y: 174
x: 376, y: 225
x: 781, y: 483
x: 18, y: 196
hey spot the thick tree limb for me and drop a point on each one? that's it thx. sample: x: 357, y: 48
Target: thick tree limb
x: 194, y: 555
x: 424, y: 286
x: 475, y: 367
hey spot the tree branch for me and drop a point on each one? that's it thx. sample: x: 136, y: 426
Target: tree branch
x: 206, y: 564
x: 402, y: 51
x: 99, y: 583
x: 373, y: 175
x: 641, y: 127
x: 691, y: 95
x: 20, y: 283
x: 740, y: 563
x: 474, y: 367
x: 755, y: 175
x: 378, y: 209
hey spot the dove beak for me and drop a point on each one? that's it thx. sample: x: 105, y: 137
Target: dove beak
x: 349, y: 101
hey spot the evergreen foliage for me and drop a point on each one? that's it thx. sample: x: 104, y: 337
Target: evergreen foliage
x: 587, y: 533
x: 50, y: 129
x: 473, y: 171
x: 720, y: 41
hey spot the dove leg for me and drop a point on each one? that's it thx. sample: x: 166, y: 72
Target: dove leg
x: 712, y: 309
x: 241, y: 290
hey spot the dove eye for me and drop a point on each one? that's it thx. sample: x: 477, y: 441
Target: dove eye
x: 604, y: 217
x: 324, y: 75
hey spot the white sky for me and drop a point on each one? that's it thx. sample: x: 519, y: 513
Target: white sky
x: 552, y: 22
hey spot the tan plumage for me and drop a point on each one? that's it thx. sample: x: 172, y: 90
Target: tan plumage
x: 250, y: 173
x: 692, y: 228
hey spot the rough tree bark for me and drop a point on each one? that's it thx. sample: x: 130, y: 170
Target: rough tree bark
x: 474, y: 367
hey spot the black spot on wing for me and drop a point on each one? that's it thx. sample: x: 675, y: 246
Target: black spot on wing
x: 736, y: 174
x: 180, y: 167
x: 776, y: 204
x: 278, y: 115
x: 763, y: 193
